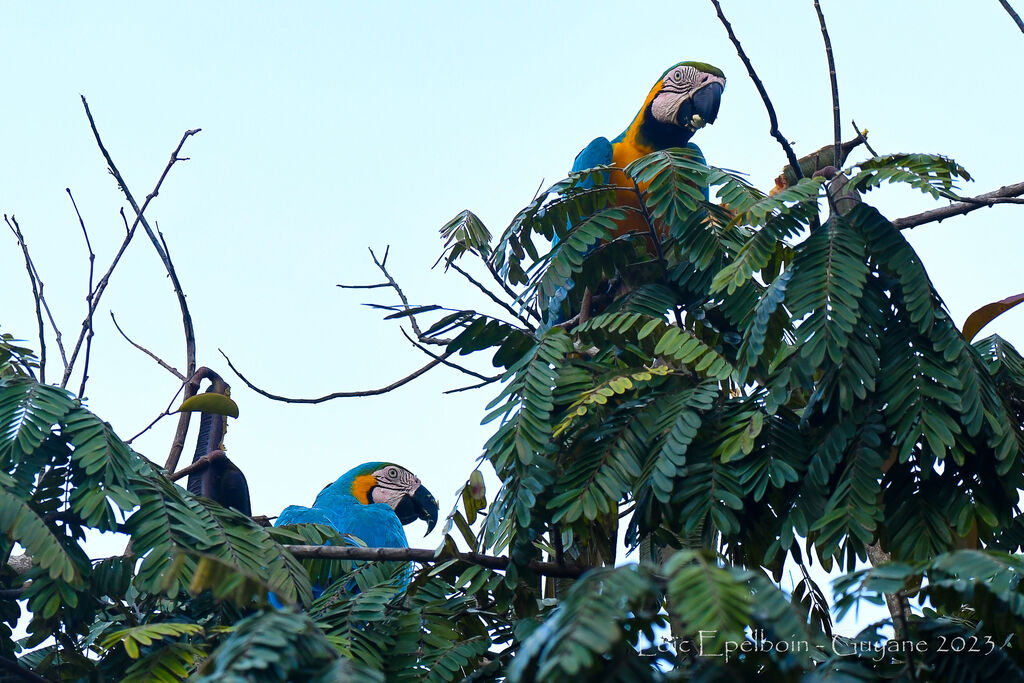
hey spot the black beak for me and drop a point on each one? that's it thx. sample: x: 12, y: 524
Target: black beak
x: 420, y: 505
x: 704, y: 102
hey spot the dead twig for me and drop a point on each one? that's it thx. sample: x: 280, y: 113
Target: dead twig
x: 88, y: 295
x: 772, y: 118
x: 454, y: 366
x: 493, y: 298
x: 511, y: 293
x: 104, y: 281
x: 159, y: 361
x: 863, y: 134
x: 37, y: 291
x: 197, y: 466
x: 489, y: 380
x: 165, y: 413
x: 1013, y: 15
x: 162, y: 250
x: 340, y: 394
x: 382, y: 264
x: 1004, y: 195
x: 833, y: 82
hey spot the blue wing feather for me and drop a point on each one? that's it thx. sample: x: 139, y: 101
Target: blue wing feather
x: 597, y: 153
x: 296, y: 514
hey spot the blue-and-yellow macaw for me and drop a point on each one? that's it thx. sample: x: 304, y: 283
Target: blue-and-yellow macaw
x: 683, y: 100
x: 371, y: 502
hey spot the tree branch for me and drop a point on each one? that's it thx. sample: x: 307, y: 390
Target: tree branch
x: 511, y: 292
x: 1004, y: 195
x: 159, y: 361
x: 336, y: 552
x: 1013, y: 15
x: 37, y: 292
x: 382, y: 265
x: 165, y: 413
x: 772, y: 118
x: 339, y: 394
x: 454, y: 366
x: 836, y: 126
x: 490, y: 380
x: 102, y: 284
x: 165, y: 257
x: 493, y: 298
x: 198, y: 466
x: 88, y: 296
x: 864, y: 134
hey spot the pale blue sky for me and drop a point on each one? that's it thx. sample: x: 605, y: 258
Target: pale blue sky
x: 331, y: 127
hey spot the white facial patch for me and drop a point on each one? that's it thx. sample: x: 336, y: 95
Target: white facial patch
x: 678, y: 86
x: 666, y: 105
x: 393, y: 484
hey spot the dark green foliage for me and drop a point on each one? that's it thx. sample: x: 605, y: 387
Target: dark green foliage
x: 758, y: 387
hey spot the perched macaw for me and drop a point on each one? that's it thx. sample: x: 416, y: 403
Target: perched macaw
x: 682, y: 101
x: 371, y: 502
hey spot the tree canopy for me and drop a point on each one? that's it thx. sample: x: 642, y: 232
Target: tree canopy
x: 769, y: 381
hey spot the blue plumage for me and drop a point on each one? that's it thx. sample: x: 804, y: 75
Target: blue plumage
x: 372, y: 503
x: 375, y: 524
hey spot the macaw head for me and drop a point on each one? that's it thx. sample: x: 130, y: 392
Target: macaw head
x: 685, y: 99
x: 393, y: 485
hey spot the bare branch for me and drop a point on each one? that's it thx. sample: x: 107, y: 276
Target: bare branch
x: 186, y: 317
x: 159, y: 361
x: 339, y: 552
x: 88, y: 296
x: 166, y: 412
x: 454, y: 366
x: 772, y: 118
x: 158, y: 242
x: 491, y: 296
x: 37, y: 292
x: 379, y: 285
x: 163, y: 252
x: 1013, y: 15
x: 511, y: 293
x: 489, y: 380
x: 836, y: 126
x: 1004, y: 195
x: 863, y: 134
x: 340, y: 394
x: 382, y: 264
x: 102, y: 284
x: 198, y: 466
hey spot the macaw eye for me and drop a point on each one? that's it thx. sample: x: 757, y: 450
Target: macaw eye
x: 677, y: 75
x: 393, y: 473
